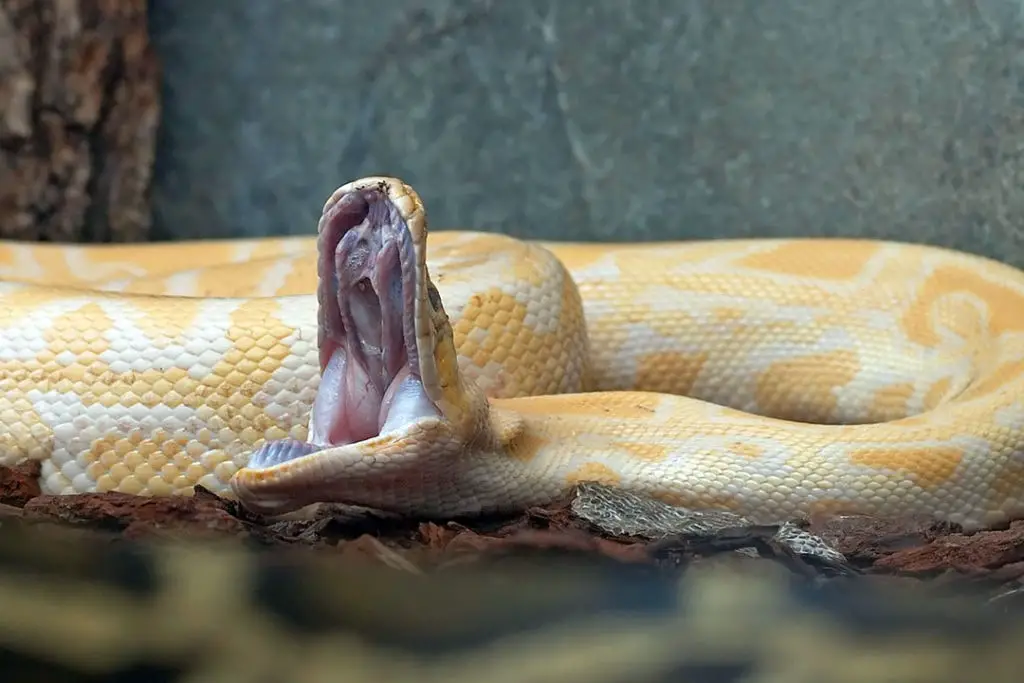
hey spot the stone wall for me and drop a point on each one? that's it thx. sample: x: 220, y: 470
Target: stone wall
x: 604, y: 119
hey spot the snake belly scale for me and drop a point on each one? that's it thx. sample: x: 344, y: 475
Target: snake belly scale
x: 775, y: 378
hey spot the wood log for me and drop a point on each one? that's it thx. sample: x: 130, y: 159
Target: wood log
x: 79, y: 110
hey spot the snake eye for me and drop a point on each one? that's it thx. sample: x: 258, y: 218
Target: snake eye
x: 434, y: 296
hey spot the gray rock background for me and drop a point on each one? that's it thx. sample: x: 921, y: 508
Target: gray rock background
x: 600, y: 119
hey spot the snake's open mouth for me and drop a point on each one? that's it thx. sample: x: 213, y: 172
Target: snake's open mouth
x: 371, y: 381
x: 370, y: 377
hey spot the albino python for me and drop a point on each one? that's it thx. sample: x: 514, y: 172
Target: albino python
x: 772, y: 378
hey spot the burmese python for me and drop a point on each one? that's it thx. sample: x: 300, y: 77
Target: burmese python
x: 820, y: 375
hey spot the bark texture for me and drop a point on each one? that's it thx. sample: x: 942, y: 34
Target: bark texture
x: 79, y: 109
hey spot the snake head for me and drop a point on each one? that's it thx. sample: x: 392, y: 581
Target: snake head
x: 391, y: 399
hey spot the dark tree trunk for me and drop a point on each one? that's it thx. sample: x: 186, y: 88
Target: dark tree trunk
x: 79, y: 108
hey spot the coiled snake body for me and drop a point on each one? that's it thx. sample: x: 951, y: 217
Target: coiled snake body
x: 773, y: 378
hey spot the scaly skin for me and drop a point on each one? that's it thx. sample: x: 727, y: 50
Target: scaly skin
x: 860, y: 376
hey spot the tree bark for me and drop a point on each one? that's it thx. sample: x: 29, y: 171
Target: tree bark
x: 79, y: 109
